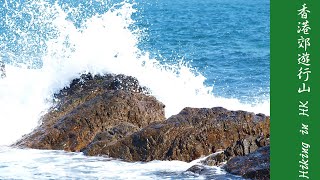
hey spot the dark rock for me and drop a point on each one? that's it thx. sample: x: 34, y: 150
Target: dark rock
x: 245, y: 146
x: 239, y: 148
x: 211, y: 173
x: 255, y: 165
x: 2, y: 70
x: 215, y: 159
x: 193, y: 133
x: 111, y: 135
x: 94, y: 109
x: 199, y: 169
x: 116, y: 132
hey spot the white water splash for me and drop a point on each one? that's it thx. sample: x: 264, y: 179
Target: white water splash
x: 104, y: 43
x: 44, y: 164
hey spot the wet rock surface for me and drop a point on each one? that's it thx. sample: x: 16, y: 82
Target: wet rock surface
x: 92, y: 109
x: 255, y: 165
x: 193, y: 133
x: 241, y: 147
x: 112, y: 115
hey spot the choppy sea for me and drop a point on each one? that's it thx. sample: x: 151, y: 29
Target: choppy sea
x: 195, y: 53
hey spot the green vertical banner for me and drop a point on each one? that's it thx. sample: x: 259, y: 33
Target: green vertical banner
x: 295, y: 89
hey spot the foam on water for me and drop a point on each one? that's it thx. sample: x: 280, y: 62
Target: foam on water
x: 44, y: 164
x: 44, y: 50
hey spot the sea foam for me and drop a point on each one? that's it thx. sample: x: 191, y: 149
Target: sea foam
x: 46, y: 45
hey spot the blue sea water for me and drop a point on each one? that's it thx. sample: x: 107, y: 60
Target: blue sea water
x: 226, y: 40
x: 189, y: 53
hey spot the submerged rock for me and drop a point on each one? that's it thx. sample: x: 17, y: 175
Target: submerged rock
x: 199, y: 169
x: 255, y: 165
x: 193, y: 133
x: 2, y: 70
x: 211, y: 172
x: 100, y: 108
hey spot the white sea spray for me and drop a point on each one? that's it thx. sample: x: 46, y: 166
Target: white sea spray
x: 45, y: 49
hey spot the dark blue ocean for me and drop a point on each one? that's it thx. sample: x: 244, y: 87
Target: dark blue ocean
x: 188, y: 53
x: 228, y: 41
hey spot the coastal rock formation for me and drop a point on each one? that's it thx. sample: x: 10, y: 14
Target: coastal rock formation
x: 112, y: 115
x: 95, y: 108
x: 193, y: 133
x: 255, y: 165
x: 241, y: 147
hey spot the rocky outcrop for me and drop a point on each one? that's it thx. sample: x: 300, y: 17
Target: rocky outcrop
x: 241, y: 147
x: 255, y: 165
x: 2, y: 70
x: 113, y: 115
x: 193, y: 133
x: 246, y: 150
x: 100, y: 108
